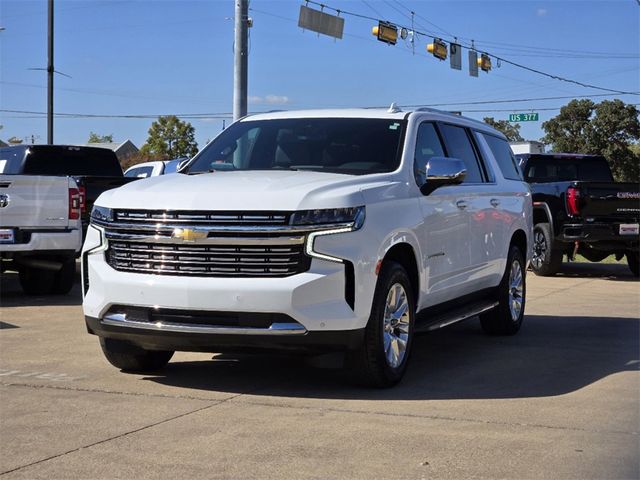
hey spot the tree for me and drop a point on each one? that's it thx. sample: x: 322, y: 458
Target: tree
x: 608, y: 128
x: 169, y: 137
x: 511, y: 131
x: 14, y: 141
x: 95, y: 138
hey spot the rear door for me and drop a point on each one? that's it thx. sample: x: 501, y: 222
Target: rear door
x: 34, y: 201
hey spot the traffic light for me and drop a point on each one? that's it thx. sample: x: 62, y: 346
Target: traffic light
x: 484, y: 62
x: 386, y: 32
x: 438, y: 49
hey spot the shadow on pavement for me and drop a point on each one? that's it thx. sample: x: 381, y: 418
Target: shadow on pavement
x: 11, y: 294
x: 551, y: 356
x: 605, y: 271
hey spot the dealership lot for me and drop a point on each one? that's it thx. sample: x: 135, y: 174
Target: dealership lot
x: 559, y: 400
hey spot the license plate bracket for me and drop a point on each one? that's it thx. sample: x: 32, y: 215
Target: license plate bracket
x: 7, y: 235
x: 629, y: 229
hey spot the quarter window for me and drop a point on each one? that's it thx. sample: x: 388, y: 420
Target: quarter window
x: 427, y: 146
x: 459, y: 146
x: 503, y: 155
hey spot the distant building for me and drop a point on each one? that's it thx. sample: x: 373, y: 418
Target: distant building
x: 122, y: 150
x: 527, y: 147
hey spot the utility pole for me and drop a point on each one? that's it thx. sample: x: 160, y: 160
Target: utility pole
x: 50, y: 77
x: 241, y: 53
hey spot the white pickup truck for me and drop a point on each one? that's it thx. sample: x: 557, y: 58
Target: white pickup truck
x: 40, y: 231
x: 316, y: 230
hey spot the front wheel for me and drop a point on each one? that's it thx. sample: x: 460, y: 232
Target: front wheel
x: 633, y: 260
x: 131, y: 358
x: 506, y: 318
x: 383, y: 357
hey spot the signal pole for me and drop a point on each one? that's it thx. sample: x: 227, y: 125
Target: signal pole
x: 241, y: 53
x: 50, y: 76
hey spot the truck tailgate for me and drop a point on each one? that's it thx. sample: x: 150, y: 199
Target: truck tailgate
x: 613, y: 200
x: 35, y: 201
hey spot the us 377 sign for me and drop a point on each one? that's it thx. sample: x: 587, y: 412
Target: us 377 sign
x: 523, y: 117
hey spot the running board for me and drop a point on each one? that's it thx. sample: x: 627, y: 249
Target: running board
x: 456, y: 315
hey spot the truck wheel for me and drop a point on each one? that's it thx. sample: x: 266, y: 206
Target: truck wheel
x: 64, y: 278
x: 383, y: 357
x: 131, y: 358
x: 506, y: 318
x: 633, y: 260
x: 36, y: 281
x: 546, y: 260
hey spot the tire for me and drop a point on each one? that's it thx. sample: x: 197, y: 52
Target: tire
x: 633, y: 260
x: 36, y: 281
x: 131, y: 358
x: 65, y: 277
x: 506, y: 318
x: 373, y: 364
x: 546, y: 259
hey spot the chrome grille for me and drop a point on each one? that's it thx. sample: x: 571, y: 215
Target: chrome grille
x: 234, y: 244
x: 208, y: 260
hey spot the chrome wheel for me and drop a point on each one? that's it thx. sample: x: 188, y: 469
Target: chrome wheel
x: 539, y: 249
x: 396, y: 325
x: 516, y: 290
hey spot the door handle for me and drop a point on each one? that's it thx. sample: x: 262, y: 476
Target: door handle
x: 461, y: 204
x: 494, y: 202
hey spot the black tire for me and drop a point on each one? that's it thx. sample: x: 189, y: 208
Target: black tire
x: 547, y: 259
x: 36, y: 281
x: 369, y: 363
x: 131, y: 358
x: 65, y: 277
x: 503, y: 320
x: 633, y: 260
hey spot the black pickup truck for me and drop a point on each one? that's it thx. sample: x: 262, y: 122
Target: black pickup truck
x: 580, y: 209
x: 95, y: 170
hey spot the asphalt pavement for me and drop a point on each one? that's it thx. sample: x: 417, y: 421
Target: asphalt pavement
x: 559, y: 400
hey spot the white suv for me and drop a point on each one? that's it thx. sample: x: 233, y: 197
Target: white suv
x: 317, y: 231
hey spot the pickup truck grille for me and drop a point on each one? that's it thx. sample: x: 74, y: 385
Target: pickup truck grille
x: 229, y: 244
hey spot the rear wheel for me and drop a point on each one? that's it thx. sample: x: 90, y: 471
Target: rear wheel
x: 383, y: 357
x: 633, y: 260
x: 506, y: 318
x: 131, y: 358
x: 36, y: 281
x: 546, y: 260
x: 64, y: 278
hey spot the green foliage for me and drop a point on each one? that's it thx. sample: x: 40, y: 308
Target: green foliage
x: 169, y: 137
x: 95, y: 138
x: 608, y: 128
x: 510, y: 130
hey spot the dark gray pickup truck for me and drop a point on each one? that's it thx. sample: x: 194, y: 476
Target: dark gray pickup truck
x: 580, y: 209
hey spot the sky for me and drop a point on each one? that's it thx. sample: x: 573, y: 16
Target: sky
x: 159, y: 57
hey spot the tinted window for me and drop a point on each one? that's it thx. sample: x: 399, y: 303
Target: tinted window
x: 504, y: 156
x: 44, y: 160
x: 427, y: 145
x: 550, y: 169
x: 11, y: 160
x: 459, y: 146
x: 342, y: 145
x: 142, y: 172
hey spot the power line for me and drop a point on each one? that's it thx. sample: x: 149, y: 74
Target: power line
x: 472, y: 47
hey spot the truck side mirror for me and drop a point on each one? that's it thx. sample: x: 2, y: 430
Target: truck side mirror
x: 441, y: 171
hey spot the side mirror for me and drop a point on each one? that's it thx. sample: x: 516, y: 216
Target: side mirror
x: 441, y: 171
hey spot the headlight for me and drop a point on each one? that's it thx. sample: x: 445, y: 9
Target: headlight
x: 101, y: 214
x: 353, y: 217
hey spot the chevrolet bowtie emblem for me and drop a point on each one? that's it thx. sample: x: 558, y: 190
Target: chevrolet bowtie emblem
x: 188, y: 235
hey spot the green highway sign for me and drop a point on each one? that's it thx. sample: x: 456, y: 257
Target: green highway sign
x: 523, y: 117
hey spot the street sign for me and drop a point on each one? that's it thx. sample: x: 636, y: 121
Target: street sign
x: 455, y: 53
x: 320, y: 22
x: 473, y: 63
x: 523, y: 117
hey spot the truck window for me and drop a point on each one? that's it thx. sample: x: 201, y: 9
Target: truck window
x: 459, y: 146
x: 142, y: 172
x: 503, y: 155
x: 551, y: 169
x: 427, y: 145
x: 10, y: 159
x: 78, y: 161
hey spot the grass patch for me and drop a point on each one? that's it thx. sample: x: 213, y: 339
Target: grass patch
x: 610, y: 259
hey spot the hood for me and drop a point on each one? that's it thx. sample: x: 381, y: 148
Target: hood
x: 241, y: 191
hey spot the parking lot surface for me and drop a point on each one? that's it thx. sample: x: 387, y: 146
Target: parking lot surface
x: 559, y: 400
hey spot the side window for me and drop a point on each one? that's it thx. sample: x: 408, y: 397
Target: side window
x: 503, y: 155
x: 459, y: 146
x: 427, y: 145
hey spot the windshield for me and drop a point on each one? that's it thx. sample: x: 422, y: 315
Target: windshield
x: 355, y: 146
